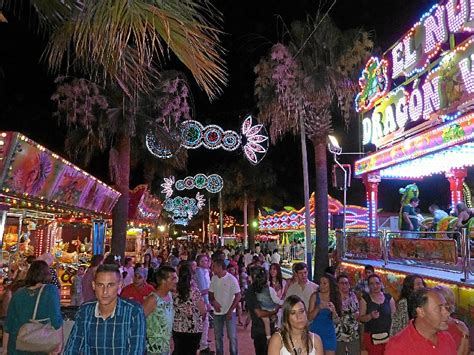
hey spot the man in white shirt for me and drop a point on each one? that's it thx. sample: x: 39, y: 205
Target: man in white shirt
x: 247, y: 257
x: 302, y: 287
x: 275, y: 257
x: 224, y: 294
x: 128, y: 268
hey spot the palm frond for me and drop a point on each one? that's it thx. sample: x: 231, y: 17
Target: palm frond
x: 118, y: 40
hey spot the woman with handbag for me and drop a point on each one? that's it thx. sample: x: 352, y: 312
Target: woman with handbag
x: 376, y: 311
x: 36, y: 301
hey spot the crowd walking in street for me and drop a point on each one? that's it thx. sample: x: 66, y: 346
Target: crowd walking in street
x: 168, y: 302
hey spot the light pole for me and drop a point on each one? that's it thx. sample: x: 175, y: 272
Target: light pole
x: 335, y: 149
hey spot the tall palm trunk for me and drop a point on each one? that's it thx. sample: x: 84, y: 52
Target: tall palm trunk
x: 252, y: 229
x: 321, y: 214
x: 120, y: 211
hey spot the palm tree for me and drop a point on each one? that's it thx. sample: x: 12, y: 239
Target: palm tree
x: 244, y: 185
x: 116, y: 43
x: 313, y: 76
x: 99, y: 119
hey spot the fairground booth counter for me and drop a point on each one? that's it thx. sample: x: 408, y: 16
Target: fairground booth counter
x: 47, y: 204
x: 286, y: 227
x: 416, y: 105
x: 144, y: 210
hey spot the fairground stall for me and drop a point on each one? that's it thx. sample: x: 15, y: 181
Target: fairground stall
x: 416, y: 105
x: 49, y: 205
x: 144, y: 210
x: 289, y: 226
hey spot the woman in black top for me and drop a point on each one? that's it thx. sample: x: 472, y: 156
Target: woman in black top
x: 376, y: 309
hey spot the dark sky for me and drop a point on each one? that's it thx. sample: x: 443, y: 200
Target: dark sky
x: 251, y: 27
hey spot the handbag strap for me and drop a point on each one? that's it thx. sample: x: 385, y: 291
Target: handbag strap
x: 37, y: 301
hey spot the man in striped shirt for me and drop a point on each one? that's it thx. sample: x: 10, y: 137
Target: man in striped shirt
x: 110, y: 325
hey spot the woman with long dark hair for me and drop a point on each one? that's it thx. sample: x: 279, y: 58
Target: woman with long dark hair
x: 294, y: 338
x: 324, y: 311
x: 347, y: 329
x: 402, y: 315
x: 22, y: 305
x: 188, y: 312
x: 376, y: 311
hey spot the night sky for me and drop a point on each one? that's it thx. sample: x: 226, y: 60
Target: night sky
x: 251, y: 27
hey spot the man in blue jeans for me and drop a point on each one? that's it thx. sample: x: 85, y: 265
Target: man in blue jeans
x: 224, y: 295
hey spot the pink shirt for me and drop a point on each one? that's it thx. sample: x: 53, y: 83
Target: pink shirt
x: 410, y: 342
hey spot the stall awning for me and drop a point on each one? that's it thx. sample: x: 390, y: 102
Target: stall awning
x: 441, y: 149
x: 41, y: 179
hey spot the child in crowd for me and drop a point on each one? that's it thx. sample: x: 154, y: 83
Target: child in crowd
x: 76, y: 297
x: 268, y: 299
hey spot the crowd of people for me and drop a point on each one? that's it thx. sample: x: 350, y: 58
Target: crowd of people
x: 166, y: 302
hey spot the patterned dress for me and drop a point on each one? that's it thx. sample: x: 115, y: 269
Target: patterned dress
x: 187, y: 318
x: 347, y: 328
x: 159, y: 326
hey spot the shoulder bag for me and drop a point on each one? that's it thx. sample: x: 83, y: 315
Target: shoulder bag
x: 37, y: 336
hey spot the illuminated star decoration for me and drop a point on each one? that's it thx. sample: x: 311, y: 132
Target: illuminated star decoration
x: 253, y: 140
x: 168, y: 186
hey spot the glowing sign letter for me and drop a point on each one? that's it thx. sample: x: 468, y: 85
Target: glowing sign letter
x: 401, y: 112
x: 411, y: 54
x: 389, y: 124
x: 457, y: 11
x: 431, y: 100
x: 435, y: 30
x: 467, y: 73
x: 397, y: 60
x: 376, y: 127
x: 367, y: 130
x: 416, y: 105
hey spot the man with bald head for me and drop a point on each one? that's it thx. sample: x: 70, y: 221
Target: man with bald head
x: 425, y: 334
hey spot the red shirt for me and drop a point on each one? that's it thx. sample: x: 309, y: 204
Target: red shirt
x: 455, y: 333
x: 410, y: 342
x: 132, y: 292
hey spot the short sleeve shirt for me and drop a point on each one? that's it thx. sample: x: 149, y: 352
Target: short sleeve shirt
x: 224, y: 290
x: 203, y: 281
x: 304, y: 294
x: 412, y: 215
x: 410, y: 342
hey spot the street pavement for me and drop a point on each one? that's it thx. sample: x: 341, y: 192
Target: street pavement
x: 245, y: 342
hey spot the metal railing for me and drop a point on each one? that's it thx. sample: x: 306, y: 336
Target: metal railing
x: 447, y: 251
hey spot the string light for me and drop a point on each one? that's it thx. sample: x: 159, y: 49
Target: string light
x: 442, y: 137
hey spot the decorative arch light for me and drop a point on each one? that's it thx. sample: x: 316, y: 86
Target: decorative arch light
x: 184, y: 207
x: 253, y: 139
x: 212, y: 183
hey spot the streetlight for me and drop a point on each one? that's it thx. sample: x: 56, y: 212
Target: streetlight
x: 335, y: 149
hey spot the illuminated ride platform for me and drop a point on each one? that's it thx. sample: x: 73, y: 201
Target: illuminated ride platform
x: 416, y: 104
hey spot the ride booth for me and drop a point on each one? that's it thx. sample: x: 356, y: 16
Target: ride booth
x: 48, y: 205
x: 417, y: 117
x: 144, y: 210
x: 289, y: 224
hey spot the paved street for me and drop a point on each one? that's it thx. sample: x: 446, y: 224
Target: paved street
x: 244, y: 340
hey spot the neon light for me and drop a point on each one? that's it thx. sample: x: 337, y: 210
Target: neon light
x: 373, y: 84
x: 460, y: 156
x: 442, y: 137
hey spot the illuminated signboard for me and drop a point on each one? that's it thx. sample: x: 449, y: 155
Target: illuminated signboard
x: 433, y: 97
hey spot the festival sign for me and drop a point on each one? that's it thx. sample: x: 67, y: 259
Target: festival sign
x: 433, y: 96
x: 32, y: 172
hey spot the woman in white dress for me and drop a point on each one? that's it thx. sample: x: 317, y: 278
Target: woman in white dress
x: 294, y: 337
